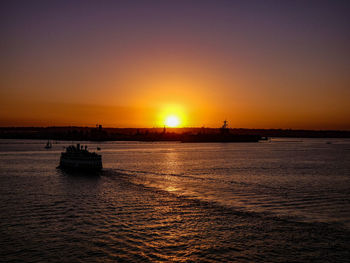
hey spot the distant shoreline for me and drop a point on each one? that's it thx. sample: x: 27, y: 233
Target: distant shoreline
x: 152, y: 134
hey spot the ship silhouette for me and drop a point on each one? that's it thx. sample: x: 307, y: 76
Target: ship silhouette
x: 78, y: 158
x: 224, y: 135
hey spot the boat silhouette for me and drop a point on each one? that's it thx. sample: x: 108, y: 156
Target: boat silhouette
x: 224, y: 135
x: 78, y: 158
x: 48, y: 145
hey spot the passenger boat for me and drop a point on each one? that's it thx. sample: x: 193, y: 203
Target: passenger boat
x: 80, y: 159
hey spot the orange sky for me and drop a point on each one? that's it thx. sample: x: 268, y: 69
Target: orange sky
x: 131, y: 65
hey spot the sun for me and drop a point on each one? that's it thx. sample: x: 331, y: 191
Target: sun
x: 172, y: 121
x: 171, y: 116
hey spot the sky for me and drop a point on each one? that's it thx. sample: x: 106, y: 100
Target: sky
x: 258, y: 64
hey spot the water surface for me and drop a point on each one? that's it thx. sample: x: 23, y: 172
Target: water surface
x: 276, y: 201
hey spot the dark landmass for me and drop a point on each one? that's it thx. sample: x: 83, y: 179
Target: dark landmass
x: 161, y: 134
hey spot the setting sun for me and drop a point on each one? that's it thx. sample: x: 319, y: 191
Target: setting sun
x: 171, y: 115
x: 172, y: 121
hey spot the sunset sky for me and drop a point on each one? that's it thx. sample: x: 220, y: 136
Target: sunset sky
x: 258, y: 64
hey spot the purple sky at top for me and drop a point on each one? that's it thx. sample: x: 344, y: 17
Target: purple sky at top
x: 304, y: 44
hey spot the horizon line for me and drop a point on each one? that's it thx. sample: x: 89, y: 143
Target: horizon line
x: 162, y: 127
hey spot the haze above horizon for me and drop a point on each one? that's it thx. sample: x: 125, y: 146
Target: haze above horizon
x: 258, y: 64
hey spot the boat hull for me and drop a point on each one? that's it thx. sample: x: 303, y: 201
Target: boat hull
x: 81, y: 164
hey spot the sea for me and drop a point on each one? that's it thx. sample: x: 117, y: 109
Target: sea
x: 281, y: 200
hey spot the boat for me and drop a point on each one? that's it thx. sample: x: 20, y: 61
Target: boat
x: 78, y: 158
x: 224, y: 135
x: 48, y: 145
